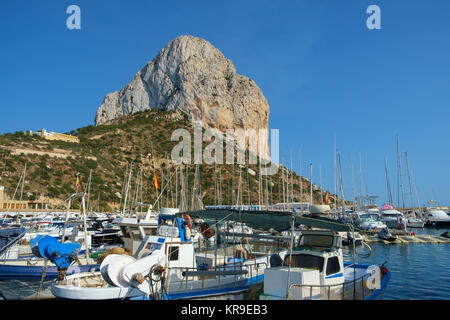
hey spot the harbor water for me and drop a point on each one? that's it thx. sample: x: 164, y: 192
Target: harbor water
x: 418, y: 270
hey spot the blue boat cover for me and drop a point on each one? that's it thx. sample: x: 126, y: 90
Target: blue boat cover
x: 61, y: 254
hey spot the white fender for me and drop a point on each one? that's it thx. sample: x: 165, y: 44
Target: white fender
x: 187, y: 234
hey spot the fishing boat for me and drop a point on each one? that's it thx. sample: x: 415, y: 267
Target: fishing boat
x: 166, y: 265
x: 9, y: 237
x: 315, y: 270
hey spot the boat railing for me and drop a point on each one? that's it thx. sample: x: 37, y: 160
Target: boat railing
x: 232, y: 274
x: 355, y: 289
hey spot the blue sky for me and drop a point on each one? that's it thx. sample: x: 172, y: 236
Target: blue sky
x: 323, y: 72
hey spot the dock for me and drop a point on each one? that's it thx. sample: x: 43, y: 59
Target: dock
x: 406, y: 239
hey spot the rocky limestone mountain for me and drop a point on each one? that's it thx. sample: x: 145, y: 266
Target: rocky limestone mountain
x: 191, y: 75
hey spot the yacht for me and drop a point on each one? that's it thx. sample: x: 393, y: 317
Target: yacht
x: 393, y: 218
x: 368, y: 220
x: 436, y: 218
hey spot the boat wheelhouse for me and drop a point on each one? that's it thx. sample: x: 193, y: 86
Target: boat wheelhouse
x: 315, y: 269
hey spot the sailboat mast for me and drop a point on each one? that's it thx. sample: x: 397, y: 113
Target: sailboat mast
x: 399, y: 176
x: 300, y: 182
x: 353, y: 179
x: 320, y: 180
x: 388, y: 185
x: 310, y: 185
x: 409, y: 180
x: 361, y: 197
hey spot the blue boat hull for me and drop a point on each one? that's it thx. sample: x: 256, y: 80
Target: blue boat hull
x: 35, y: 272
x: 378, y: 293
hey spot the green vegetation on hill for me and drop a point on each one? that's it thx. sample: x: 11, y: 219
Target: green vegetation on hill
x: 142, y: 139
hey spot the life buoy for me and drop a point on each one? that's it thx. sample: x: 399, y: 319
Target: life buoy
x: 188, y: 218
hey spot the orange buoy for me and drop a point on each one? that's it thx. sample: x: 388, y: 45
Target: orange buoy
x: 188, y: 218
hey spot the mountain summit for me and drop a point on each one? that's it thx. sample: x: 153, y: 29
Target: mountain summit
x: 191, y: 75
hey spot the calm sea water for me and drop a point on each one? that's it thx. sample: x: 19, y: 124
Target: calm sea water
x: 418, y: 270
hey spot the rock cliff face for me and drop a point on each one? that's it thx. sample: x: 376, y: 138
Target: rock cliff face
x: 191, y: 75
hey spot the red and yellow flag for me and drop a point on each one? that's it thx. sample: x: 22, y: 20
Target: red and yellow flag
x: 77, y: 183
x: 155, y: 180
x: 327, y: 199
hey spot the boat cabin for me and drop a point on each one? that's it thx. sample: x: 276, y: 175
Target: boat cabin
x: 316, y: 260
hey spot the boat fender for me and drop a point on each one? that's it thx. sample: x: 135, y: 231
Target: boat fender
x: 187, y: 234
x: 383, y: 269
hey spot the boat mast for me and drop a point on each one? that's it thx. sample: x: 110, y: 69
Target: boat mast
x: 320, y: 180
x: 89, y: 189
x: 399, y: 176
x: 361, y: 196
x: 300, y: 181
x: 127, y: 189
x: 409, y: 181
x: 353, y: 179
x: 340, y: 182
x: 249, y: 200
x: 335, y: 175
x: 388, y: 185
x: 21, y: 189
x: 310, y: 185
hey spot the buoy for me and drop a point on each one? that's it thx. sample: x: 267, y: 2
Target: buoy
x: 187, y: 234
x: 188, y: 218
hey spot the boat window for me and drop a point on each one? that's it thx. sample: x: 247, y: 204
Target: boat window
x: 150, y: 231
x: 173, y: 253
x: 125, y: 232
x: 312, y: 240
x: 333, y: 265
x: 153, y: 246
x: 135, y: 233
x: 306, y: 261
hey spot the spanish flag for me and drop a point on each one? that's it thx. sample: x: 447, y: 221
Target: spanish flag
x: 155, y: 180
